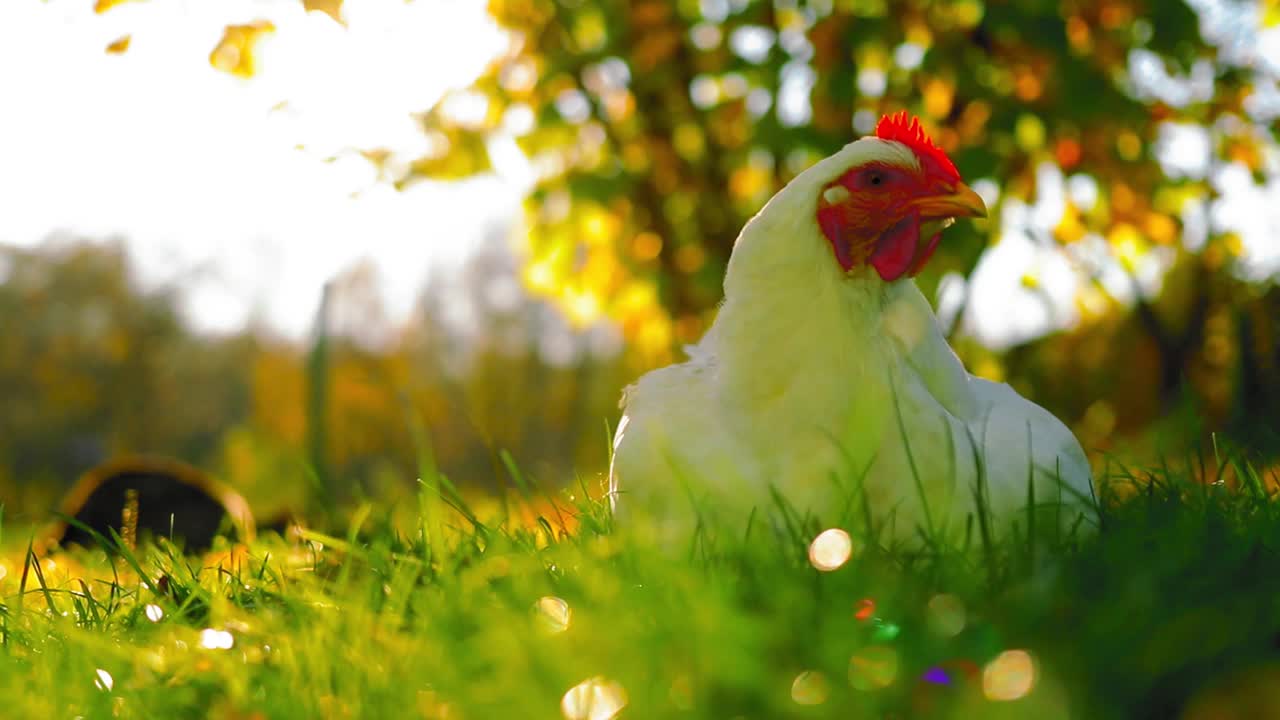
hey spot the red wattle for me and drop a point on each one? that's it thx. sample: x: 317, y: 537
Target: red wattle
x: 895, y: 252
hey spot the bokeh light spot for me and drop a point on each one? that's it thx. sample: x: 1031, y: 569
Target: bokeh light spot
x: 866, y: 609
x: 593, y: 699
x: 103, y: 680
x: 1011, y: 675
x: 872, y: 82
x: 810, y: 688
x: 885, y: 631
x: 553, y: 613
x: 864, y: 121
x: 705, y: 36
x: 752, y: 43
x: 1029, y: 132
x: 908, y: 56
x: 1129, y: 145
x: 646, y: 246
x: 154, y: 613
x: 936, y: 676
x: 946, y: 615
x: 690, y: 258
x: 704, y: 91
x: 873, y: 668
x: 830, y: 550
x: 216, y: 639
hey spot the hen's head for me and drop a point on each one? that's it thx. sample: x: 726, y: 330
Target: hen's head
x: 896, y: 193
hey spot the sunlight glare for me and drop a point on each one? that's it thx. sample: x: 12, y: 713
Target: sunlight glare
x: 155, y: 613
x: 830, y: 550
x: 595, y: 698
x: 250, y: 190
x: 1010, y: 676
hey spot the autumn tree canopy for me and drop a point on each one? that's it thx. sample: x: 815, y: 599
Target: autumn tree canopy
x: 656, y: 129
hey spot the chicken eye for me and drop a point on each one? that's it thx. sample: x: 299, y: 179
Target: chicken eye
x: 875, y: 178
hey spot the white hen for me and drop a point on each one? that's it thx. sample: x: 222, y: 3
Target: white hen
x: 825, y: 374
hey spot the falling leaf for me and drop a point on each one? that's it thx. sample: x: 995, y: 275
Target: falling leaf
x: 120, y: 45
x: 101, y: 6
x: 234, y: 53
x: 332, y: 8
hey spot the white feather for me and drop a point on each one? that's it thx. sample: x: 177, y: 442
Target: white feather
x: 799, y: 385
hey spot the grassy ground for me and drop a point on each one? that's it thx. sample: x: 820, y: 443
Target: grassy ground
x: 1171, y: 610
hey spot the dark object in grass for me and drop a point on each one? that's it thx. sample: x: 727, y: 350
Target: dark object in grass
x: 142, y: 497
x: 285, y: 524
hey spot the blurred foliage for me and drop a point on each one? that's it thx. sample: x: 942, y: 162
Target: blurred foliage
x: 91, y: 368
x: 658, y: 128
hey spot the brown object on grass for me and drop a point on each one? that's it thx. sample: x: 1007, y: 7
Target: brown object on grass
x: 146, y: 496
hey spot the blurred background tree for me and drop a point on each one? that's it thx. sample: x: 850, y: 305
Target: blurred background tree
x: 92, y: 367
x: 658, y: 128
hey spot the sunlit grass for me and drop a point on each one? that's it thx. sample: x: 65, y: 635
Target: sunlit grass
x: 1176, y: 598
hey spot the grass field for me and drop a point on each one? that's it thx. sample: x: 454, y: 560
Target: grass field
x: 1171, y: 609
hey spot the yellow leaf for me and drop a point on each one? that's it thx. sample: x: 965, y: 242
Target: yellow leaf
x: 119, y: 46
x: 101, y: 6
x: 234, y: 52
x: 332, y: 8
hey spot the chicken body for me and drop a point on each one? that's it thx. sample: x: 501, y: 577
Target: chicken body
x: 830, y: 385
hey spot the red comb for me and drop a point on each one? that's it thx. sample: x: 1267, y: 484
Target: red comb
x: 906, y: 129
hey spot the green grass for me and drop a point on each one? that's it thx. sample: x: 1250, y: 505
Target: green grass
x: 1178, y: 591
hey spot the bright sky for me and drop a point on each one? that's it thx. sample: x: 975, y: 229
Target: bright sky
x: 251, y: 193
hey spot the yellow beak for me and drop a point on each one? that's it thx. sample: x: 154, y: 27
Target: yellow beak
x: 960, y: 201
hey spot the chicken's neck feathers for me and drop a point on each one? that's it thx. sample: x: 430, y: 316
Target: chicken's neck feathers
x: 799, y: 346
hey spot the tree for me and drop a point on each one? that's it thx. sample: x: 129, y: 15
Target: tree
x: 91, y: 366
x: 658, y: 128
